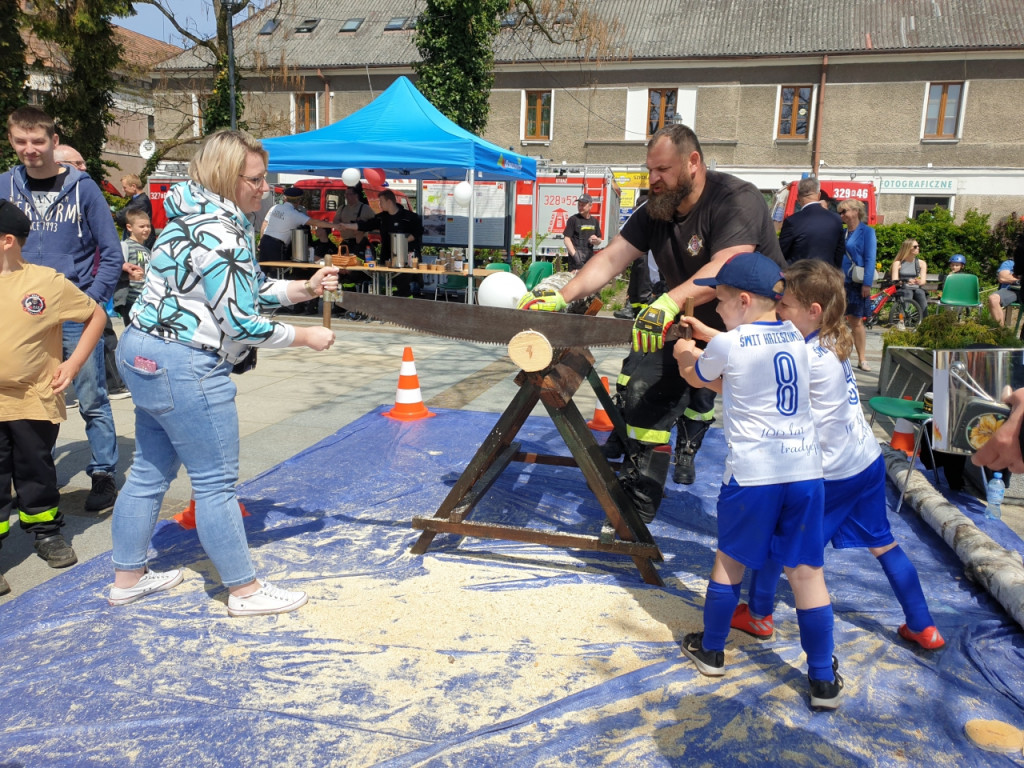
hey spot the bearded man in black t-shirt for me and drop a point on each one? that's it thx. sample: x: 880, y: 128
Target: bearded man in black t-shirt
x: 693, y: 221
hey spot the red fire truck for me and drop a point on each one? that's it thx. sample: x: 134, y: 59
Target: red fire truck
x: 556, y: 193
x: 837, y: 191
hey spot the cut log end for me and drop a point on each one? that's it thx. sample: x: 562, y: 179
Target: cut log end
x: 530, y: 350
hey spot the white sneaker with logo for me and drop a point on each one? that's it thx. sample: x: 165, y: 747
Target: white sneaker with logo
x: 151, y: 581
x: 266, y: 600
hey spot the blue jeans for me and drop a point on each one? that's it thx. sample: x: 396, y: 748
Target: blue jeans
x: 184, y: 414
x: 91, y: 388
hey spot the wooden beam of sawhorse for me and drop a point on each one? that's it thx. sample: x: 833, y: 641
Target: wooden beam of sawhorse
x: 553, y: 386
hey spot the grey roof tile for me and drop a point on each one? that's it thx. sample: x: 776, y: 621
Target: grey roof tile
x: 650, y: 29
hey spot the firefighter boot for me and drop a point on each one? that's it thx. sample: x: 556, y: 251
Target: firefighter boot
x: 644, y: 480
x: 614, y: 446
x: 689, y: 436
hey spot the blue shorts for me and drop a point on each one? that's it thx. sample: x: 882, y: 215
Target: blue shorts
x: 857, y: 305
x: 855, y: 511
x: 782, y: 522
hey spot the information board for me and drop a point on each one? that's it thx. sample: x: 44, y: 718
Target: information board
x: 447, y: 223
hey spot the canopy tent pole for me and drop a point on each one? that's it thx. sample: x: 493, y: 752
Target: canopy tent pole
x: 471, y: 178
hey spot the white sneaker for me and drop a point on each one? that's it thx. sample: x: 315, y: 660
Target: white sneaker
x: 265, y: 600
x: 151, y: 581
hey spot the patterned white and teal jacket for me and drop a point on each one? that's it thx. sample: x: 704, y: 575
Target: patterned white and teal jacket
x: 204, y: 287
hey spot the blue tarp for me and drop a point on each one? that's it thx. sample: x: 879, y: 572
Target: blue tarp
x: 484, y: 653
x: 402, y: 133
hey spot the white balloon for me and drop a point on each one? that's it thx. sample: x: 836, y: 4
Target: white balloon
x: 463, y: 191
x: 350, y: 176
x: 502, y: 289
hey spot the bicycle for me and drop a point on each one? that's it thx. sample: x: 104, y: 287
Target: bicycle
x: 898, y: 307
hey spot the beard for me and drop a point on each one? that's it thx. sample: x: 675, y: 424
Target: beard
x: 662, y: 205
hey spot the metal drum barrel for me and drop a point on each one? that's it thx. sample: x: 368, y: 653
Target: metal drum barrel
x: 400, y: 249
x: 968, y: 387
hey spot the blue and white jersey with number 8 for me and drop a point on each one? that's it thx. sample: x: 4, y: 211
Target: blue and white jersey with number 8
x: 765, y: 403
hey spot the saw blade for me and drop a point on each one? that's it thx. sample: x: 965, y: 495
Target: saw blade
x: 490, y: 325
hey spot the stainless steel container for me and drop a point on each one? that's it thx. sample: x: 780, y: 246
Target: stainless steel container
x: 968, y: 387
x: 400, y: 249
x: 300, y: 245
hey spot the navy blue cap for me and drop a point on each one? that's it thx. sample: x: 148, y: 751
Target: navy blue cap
x: 293, y: 192
x: 750, y: 272
x: 13, y: 221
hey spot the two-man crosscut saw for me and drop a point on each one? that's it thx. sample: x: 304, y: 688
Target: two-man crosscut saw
x: 490, y: 325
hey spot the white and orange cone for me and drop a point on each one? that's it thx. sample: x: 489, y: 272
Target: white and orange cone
x: 409, y: 404
x: 601, y: 422
x: 903, y: 437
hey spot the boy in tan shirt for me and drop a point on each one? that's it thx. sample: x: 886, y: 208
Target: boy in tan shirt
x: 34, y: 302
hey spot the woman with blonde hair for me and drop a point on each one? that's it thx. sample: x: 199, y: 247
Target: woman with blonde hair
x: 859, y: 267
x: 200, y: 316
x: 909, y: 268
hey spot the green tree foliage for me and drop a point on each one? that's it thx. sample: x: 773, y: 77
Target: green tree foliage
x: 13, y: 91
x: 81, y: 99
x: 455, y: 39
x: 217, y: 112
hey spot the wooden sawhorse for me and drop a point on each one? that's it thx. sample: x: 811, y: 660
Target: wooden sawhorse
x: 554, y: 386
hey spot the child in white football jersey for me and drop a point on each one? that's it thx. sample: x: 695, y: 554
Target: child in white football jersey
x: 770, y: 506
x: 855, y: 509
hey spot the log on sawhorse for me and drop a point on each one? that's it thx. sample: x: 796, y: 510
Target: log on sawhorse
x: 625, y: 533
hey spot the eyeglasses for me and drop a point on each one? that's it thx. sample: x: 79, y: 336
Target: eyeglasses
x: 916, y: 247
x: 256, y: 181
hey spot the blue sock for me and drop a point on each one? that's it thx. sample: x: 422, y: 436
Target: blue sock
x: 719, y: 603
x: 905, y: 583
x: 816, y: 640
x: 763, y: 584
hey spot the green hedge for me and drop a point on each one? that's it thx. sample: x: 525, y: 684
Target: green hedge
x: 940, y: 237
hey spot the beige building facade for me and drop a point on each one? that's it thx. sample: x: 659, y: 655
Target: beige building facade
x: 923, y: 100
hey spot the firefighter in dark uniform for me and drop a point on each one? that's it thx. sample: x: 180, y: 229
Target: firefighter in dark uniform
x: 693, y: 221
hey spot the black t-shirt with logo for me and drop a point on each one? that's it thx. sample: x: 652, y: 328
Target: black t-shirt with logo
x: 729, y: 212
x: 45, y: 191
x: 579, y: 230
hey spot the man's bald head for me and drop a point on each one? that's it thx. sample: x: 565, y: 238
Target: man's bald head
x: 65, y: 153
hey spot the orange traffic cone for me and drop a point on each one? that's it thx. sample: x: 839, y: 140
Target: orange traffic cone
x: 601, y: 422
x: 408, y: 400
x: 903, y: 437
x: 187, y: 517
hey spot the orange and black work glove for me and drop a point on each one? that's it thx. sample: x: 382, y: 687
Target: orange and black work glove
x: 652, y: 324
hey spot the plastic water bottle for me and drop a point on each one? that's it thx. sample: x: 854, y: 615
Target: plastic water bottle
x: 369, y: 257
x: 994, y: 492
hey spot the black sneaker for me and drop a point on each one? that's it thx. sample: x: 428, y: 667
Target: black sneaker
x: 684, y: 473
x: 710, y: 663
x: 103, y: 493
x: 825, y: 693
x: 4, y: 586
x: 56, y: 552
x: 118, y: 394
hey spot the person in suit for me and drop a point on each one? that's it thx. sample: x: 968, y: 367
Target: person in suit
x: 813, y: 232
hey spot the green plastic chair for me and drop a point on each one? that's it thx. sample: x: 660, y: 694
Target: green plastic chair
x: 498, y: 266
x: 537, y: 272
x: 961, y: 290
x: 914, y: 412
x: 453, y: 284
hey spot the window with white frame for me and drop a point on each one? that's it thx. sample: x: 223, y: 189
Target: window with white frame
x: 943, y: 106
x: 794, y: 112
x: 646, y: 107
x: 537, y: 115
x: 305, y: 112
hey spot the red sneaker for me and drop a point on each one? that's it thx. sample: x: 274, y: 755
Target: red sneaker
x: 743, y: 621
x: 928, y: 638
